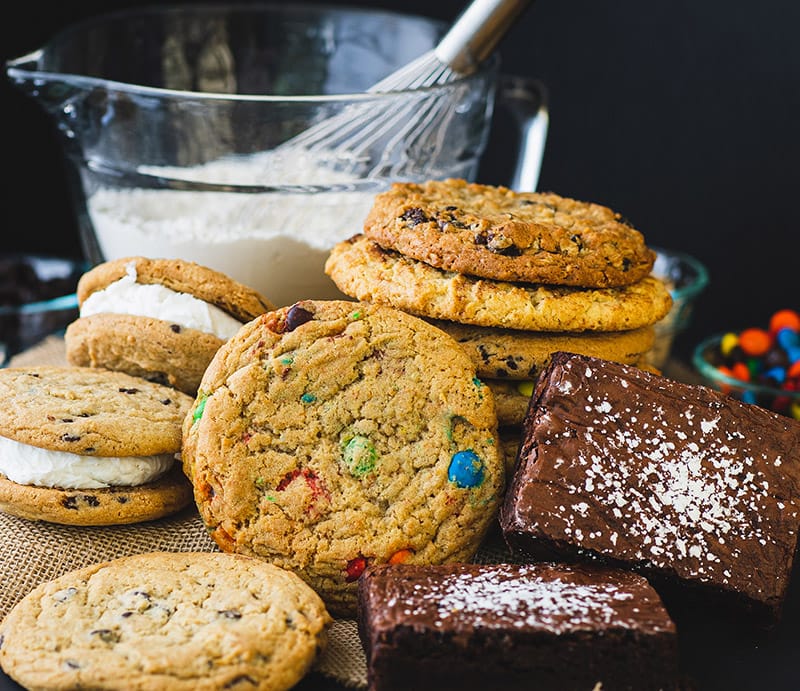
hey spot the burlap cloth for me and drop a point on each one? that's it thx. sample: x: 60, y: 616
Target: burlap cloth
x: 34, y: 552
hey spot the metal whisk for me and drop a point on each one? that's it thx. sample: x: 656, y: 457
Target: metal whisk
x: 350, y: 137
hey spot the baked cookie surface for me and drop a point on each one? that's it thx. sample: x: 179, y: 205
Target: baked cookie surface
x: 515, y: 354
x: 160, y: 319
x: 166, y: 621
x: 494, y: 232
x: 91, y: 412
x: 365, y: 271
x: 153, y: 349
x: 332, y: 434
x: 104, y: 506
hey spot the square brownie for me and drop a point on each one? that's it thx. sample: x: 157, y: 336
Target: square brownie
x: 506, y: 626
x: 697, y: 491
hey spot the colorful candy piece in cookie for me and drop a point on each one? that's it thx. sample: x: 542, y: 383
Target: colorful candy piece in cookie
x: 161, y: 319
x: 180, y: 621
x: 396, y: 453
x: 85, y: 446
x: 496, y: 233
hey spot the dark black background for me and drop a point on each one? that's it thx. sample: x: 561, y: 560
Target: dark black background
x: 684, y: 116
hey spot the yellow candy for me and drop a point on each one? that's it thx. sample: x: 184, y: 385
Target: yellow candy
x: 794, y: 410
x: 525, y: 388
x: 728, y: 343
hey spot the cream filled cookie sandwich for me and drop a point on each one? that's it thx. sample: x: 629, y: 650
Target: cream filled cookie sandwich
x: 161, y: 319
x: 88, y: 446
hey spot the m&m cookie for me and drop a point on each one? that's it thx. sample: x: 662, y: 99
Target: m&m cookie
x: 328, y: 436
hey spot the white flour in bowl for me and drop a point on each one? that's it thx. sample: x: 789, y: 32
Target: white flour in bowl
x: 275, y: 242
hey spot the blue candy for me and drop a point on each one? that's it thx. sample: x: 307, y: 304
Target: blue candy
x: 788, y: 339
x: 466, y: 469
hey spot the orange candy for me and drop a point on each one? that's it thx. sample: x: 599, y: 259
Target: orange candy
x: 740, y: 371
x: 400, y: 556
x: 784, y: 319
x: 755, y: 342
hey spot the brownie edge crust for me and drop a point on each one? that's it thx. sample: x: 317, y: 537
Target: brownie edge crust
x: 548, y: 626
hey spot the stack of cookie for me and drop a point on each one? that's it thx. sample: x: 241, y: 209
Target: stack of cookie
x: 513, y: 276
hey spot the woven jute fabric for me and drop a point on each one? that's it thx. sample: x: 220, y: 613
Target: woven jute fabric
x: 35, y: 552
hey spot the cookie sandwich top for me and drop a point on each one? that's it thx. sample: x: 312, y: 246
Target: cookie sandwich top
x: 175, y: 290
x: 494, y: 232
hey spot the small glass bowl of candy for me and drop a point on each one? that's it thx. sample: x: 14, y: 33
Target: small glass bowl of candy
x: 758, y: 366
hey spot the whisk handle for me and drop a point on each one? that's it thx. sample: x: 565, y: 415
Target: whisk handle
x: 474, y: 35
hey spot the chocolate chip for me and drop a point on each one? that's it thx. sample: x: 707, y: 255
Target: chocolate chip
x: 297, y: 316
x: 231, y: 614
x: 578, y: 241
x: 71, y: 664
x: 91, y: 500
x: 122, y: 499
x: 70, y: 502
x: 70, y: 437
x: 166, y: 401
x: 106, y: 635
x: 89, y: 449
x: 450, y: 208
x: 123, y: 389
x: 498, y: 243
x: 626, y: 264
x: 511, y: 363
x: 175, y: 327
x: 142, y: 593
x: 125, y: 615
x: 413, y: 216
x: 67, y: 419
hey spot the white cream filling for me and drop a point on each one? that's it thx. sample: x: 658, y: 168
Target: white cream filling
x: 126, y: 296
x: 30, y: 465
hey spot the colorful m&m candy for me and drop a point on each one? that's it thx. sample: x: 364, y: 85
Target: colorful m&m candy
x: 766, y: 361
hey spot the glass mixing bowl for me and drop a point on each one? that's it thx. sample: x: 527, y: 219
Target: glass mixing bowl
x: 187, y: 130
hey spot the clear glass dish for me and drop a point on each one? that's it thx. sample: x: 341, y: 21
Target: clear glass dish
x: 778, y: 400
x: 686, y: 278
x: 181, y: 125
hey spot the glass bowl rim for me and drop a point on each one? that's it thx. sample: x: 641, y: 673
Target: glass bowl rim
x: 712, y: 374
x: 693, y: 289
x: 26, y: 66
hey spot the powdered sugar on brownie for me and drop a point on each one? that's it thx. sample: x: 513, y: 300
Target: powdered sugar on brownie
x: 524, y: 598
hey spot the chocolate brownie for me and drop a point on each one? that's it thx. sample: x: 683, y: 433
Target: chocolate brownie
x: 692, y: 488
x: 501, y: 626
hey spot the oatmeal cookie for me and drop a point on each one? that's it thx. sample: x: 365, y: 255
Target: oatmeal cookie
x: 364, y: 270
x: 494, y: 232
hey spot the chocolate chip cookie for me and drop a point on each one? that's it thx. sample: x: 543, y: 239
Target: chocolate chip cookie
x: 514, y: 354
x: 160, y: 620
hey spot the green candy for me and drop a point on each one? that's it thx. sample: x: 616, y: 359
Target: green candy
x: 360, y: 455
